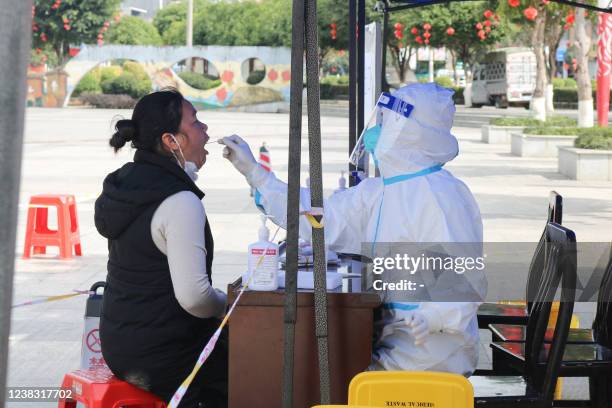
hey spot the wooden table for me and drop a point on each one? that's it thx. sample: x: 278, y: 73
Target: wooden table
x: 256, y: 333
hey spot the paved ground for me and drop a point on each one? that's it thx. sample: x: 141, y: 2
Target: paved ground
x: 66, y: 151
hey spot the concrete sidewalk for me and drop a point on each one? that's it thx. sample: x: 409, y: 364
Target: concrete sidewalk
x: 66, y: 151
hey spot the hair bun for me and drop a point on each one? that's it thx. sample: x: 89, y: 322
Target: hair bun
x: 125, y: 131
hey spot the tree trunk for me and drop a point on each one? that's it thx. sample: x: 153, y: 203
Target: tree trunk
x: 398, y: 62
x: 583, y: 79
x: 454, y: 62
x: 538, y: 101
x: 554, y: 33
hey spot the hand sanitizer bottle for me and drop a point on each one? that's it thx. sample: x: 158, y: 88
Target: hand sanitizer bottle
x: 264, y: 271
x: 341, y: 183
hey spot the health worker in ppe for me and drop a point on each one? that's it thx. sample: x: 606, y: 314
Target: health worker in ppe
x: 414, y: 200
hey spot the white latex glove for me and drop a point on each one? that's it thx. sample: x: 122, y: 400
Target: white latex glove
x: 238, y: 152
x: 419, y: 327
x: 421, y: 323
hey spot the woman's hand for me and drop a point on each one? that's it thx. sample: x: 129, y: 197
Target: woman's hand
x: 238, y: 152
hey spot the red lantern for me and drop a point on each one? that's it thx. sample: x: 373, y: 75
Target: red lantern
x: 332, y: 33
x: 427, y: 34
x: 287, y: 75
x: 545, y: 2
x: 73, y: 51
x: 488, y: 29
x: 34, y: 27
x: 418, y: 39
x: 481, y: 34
x: 427, y: 26
x: 100, y: 42
x: 106, y: 24
x: 570, y: 19
x: 566, y: 27
x: 488, y: 14
x: 43, y: 37
x: 450, y: 31
x: 414, y: 31
x: 487, y: 23
x: 65, y: 20
x: 478, y: 26
x: 514, y: 3
x: 530, y: 13
x: 399, y: 27
x: 66, y: 27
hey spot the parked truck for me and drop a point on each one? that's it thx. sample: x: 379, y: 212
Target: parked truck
x: 506, y: 77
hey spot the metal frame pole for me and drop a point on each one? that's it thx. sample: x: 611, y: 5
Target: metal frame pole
x: 384, y: 86
x: 293, y: 197
x: 361, y: 17
x: 15, y: 23
x: 352, y: 83
x: 316, y: 189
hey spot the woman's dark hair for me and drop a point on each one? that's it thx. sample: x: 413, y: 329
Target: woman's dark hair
x: 155, y: 114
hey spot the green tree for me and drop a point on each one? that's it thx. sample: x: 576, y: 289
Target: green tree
x: 542, y: 31
x: 62, y: 23
x: 133, y: 31
x: 464, y: 20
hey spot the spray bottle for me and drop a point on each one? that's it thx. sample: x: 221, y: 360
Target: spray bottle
x: 263, y: 261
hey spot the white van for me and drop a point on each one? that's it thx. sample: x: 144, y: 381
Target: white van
x: 507, y: 77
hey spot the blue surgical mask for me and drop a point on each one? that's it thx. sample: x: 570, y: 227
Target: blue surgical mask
x: 370, y: 138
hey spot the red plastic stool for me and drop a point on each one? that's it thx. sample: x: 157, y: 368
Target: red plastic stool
x: 100, y: 389
x: 38, y: 234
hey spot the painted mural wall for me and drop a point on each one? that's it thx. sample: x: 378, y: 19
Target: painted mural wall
x: 228, y: 61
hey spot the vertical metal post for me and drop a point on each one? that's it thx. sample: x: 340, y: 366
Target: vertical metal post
x: 189, y: 33
x: 293, y: 197
x: 361, y: 17
x: 316, y: 189
x: 15, y: 24
x: 352, y: 136
x: 384, y: 86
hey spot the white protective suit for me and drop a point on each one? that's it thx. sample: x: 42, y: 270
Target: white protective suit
x: 435, y: 207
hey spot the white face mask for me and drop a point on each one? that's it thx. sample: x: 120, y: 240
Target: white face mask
x: 190, y: 167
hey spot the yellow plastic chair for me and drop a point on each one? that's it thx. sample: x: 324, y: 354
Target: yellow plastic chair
x: 423, y: 389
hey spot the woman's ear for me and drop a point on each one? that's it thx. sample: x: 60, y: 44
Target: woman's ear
x: 169, y: 142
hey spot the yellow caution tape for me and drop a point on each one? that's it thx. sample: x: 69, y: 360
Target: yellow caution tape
x: 313, y: 221
x: 53, y: 298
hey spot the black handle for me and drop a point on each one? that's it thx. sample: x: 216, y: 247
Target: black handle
x: 94, y: 288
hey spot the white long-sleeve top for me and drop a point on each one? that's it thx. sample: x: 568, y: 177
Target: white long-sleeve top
x: 177, y: 229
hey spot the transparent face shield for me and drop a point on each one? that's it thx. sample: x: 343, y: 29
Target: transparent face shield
x: 388, y: 116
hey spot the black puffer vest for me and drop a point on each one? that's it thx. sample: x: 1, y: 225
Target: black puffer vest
x: 143, y: 328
